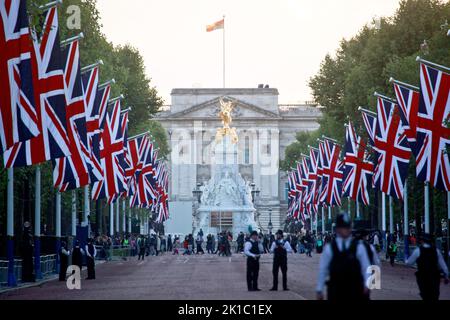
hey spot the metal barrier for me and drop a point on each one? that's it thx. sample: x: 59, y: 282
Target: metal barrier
x: 4, y: 271
x: 113, y: 253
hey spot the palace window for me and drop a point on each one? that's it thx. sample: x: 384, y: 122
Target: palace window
x: 247, y: 150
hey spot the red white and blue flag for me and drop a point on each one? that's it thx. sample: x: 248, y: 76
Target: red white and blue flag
x: 49, y: 90
x: 90, y: 80
x: 332, y: 173
x: 146, y: 192
x: 358, y: 169
x: 393, y: 152
x: 18, y: 115
x: 433, y: 130
x: 72, y: 172
x: 408, y: 102
x: 111, y: 155
x: 135, y: 159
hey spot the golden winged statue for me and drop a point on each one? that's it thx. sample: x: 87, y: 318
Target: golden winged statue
x: 225, y: 115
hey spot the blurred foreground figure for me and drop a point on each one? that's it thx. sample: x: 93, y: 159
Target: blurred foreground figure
x: 430, y: 264
x: 345, y: 264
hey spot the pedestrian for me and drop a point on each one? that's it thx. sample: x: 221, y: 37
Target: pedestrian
x: 176, y: 245
x: 158, y: 244
x: 141, y: 248
x: 199, y: 242
x: 77, y: 255
x: 376, y: 242
x: 64, y: 254
x: 280, y: 248
x: 27, y: 250
x: 344, y: 263
x: 392, y: 251
x: 209, y: 245
x: 253, y: 250
x: 169, y: 243
x: 430, y: 264
x: 91, y: 252
x: 240, y: 243
x: 319, y: 245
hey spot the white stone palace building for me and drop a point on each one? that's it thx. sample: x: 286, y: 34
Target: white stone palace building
x: 265, y: 129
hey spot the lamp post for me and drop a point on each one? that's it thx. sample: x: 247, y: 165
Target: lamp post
x: 270, y: 226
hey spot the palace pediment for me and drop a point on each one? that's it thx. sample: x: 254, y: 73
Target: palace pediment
x: 211, y: 110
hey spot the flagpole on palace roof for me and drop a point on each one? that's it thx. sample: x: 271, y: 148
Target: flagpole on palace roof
x: 224, y: 69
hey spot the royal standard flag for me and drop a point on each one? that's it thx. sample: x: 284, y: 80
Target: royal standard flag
x: 216, y: 26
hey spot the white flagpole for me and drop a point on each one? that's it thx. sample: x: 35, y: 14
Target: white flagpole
x: 323, y: 220
x: 358, y: 212
x: 427, y: 207
x: 129, y: 219
x: 37, y: 224
x: 391, y: 215
x: 224, y: 70
x: 117, y: 215
x: 74, y: 213
x: 406, y: 221
x: 329, y: 213
x: 383, y: 211
x: 111, y: 219
x: 124, y: 216
x: 12, y: 282
x: 87, y: 208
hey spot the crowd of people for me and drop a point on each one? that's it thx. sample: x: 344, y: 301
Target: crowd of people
x: 346, y: 255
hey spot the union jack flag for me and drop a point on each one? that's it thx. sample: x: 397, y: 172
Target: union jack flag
x: 48, y: 82
x: 18, y: 115
x: 292, y: 193
x: 332, y: 173
x: 315, y: 180
x: 95, y: 130
x: 433, y: 130
x: 72, y: 172
x: 112, y: 155
x: 146, y: 192
x: 408, y: 102
x: 135, y: 159
x: 163, y: 197
x: 392, y: 151
x: 89, y: 80
x: 358, y: 169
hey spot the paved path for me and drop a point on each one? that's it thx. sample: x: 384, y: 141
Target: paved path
x: 207, y: 277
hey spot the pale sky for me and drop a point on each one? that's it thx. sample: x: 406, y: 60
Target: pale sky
x: 275, y: 42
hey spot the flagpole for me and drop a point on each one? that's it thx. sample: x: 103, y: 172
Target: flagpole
x: 323, y: 220
x: 224, y: 70
x: 129, y: 219
x: 37, y: 224
x: 427, y: 207
x: 58, y: 229
x: 111, y: 219
x: 124, y: 217
x: 74, y: 214
x: 12, y: 282
x: 117, y: 215
x: 406, y: 221
x: 383, y: 217
x: 358, y: 212
x: 391, y: 215
x: 87, y: 208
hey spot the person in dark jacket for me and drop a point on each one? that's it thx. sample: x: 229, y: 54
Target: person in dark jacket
x: 77, y: 255
x: 27, y: 250
x: 91, y: 253
x: 430, y: 264
x: 64, y: 254
x: 169, y: 243
x: 280, y: 248
x: 343, y: 266
x: 253, y: 250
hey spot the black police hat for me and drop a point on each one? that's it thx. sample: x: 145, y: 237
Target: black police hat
x: 280, y: 232
x: 427, y: 238
x: 254, y: 233
x: 343, y: 221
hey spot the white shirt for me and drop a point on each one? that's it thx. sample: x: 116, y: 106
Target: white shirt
x: 248, y: 247
x: 416, y: 254
x: 327, y: 257
x: 376, y: 241
x: 287, y: 247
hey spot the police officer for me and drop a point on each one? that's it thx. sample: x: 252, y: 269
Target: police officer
x: 280, y: 248
x: 430, y: 263
x: 345, y: 264
x: 91, y: 252
x: 253, y: 250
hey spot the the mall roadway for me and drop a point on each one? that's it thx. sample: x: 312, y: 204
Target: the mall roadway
x: 208, y: 277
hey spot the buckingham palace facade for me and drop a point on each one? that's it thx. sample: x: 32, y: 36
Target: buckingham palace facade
x: 265, y: 128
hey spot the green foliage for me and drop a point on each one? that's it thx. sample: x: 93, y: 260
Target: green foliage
x: 364, y: 64
x: 123, y: 63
